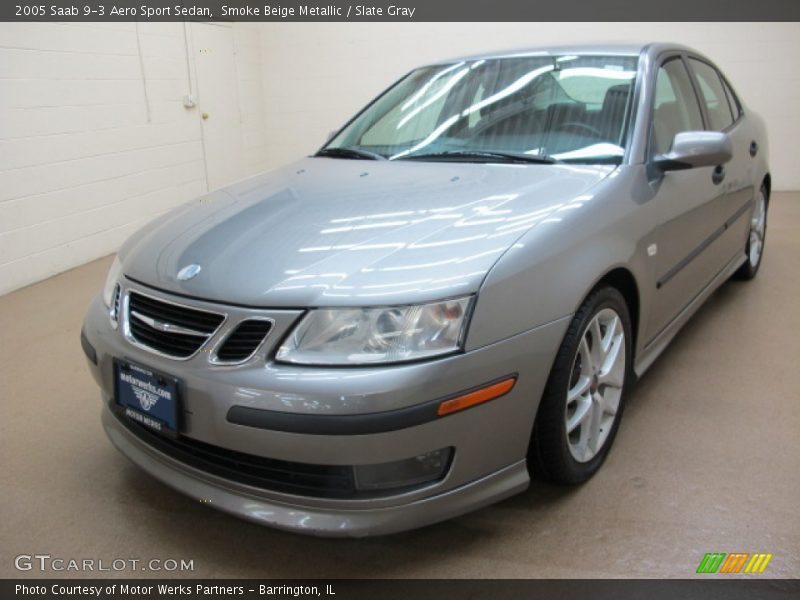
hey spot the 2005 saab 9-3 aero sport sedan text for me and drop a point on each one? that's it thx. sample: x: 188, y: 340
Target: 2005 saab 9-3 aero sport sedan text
x: 458, y: 288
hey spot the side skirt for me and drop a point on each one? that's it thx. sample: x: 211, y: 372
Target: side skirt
x: 657, y: 345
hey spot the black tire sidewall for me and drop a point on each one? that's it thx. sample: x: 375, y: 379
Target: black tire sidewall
x: 551, y: 455
x: 747, y: 270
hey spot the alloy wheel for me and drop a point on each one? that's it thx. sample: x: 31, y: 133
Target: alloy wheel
x: 595, y: 388
x: 758, y: 225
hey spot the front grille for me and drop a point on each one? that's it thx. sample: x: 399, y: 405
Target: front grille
x: 325, y: 481
x: 244, y: 340
x: 171, y: 329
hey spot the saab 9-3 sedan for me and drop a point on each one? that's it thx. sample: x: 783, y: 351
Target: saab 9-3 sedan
x: 453, y: 295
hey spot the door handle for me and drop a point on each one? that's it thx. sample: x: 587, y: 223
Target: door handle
x: 753, y: 148
x: 718, y: 174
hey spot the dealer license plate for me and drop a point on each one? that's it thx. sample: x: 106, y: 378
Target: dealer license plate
x: 147, y: 396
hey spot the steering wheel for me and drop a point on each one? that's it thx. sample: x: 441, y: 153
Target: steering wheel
x: 582, y: 126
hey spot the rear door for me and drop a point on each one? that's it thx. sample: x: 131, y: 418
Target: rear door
x: 687, y: 253
x: 723, y: 113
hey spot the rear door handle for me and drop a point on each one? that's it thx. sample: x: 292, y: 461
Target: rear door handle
x: 753, y: 148
x: 718, y: 174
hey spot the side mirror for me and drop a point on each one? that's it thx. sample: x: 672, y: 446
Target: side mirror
x: 692, y: 149
x: 330, y: 135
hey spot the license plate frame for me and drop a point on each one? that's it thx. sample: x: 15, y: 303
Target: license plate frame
x: 147, y: 397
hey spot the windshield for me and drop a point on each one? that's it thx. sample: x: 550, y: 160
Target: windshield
x: 566, y: 108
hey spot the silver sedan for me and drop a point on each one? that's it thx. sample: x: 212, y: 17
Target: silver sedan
x: 455, y: 293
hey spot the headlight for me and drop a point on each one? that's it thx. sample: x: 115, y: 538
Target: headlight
x: 348, y: 336
x: 111, y: 281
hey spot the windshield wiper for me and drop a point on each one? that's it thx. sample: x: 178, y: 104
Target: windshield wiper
x: 486, y: 155
x: 350, y: 153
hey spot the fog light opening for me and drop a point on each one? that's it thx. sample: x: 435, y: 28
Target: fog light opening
x: 410, y: 472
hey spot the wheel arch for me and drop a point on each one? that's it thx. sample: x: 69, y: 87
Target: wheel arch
x: 624, y: 281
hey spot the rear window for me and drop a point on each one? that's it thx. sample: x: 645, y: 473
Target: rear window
x: 713, y: 94
x: 733, y: 101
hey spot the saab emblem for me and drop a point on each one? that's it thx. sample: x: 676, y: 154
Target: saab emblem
x: 188, y: 272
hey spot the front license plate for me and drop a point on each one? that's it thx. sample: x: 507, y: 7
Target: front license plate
x: 146, y: 396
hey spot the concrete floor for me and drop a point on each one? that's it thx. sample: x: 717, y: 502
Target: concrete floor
x: 707, y: 459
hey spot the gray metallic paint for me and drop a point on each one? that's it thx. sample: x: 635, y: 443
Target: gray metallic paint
x: 530, y: 241
x: 328, y: 232
x: 250, y: 503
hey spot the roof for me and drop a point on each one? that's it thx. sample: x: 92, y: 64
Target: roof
x: 630, y: 49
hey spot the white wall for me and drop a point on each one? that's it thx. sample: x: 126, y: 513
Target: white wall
x: 250, y: 74
x: 318, y: 74
x: 85, y: 158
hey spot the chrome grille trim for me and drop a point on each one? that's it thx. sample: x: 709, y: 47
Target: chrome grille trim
x: 164, y: 326
x: 214, y: 356
x: 113, y: 312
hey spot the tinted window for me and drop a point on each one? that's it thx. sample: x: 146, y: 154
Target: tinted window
x: 675, y: 108
x: 736, y: 108
x: 719, y: 112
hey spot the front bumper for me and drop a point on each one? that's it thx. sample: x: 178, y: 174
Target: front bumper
x: 251, y: 503
x: 490, y: 440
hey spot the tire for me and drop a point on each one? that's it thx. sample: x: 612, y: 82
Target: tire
x: 573, y: 457
x: 754, y: 249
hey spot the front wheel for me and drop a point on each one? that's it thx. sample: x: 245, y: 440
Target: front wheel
x: 582, y: 404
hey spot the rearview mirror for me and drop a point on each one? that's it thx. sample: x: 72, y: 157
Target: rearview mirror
x: 692, y: 149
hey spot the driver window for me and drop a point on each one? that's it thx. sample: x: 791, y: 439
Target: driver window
x: 676, y: 108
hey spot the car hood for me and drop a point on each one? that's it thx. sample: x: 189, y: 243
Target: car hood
x: 335, y: 232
